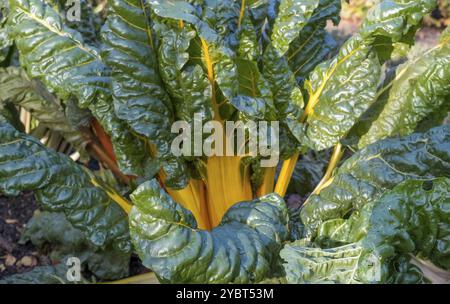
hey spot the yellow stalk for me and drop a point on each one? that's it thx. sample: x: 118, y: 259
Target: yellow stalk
x: 121, y: 201
x: 289, y: 165
x: 210, y: 72
x: 242, y: 13
x: 338, y: 152
x: 268, y: 183
x: 225, y: 185
x: 285, y: 175
x: 192, y: 197
x: 146, y: 278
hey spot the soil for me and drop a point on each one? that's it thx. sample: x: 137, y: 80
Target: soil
x: 14, y: 257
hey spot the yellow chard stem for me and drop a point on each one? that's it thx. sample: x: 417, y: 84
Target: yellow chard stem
x: 338, y: 152
x: 116, y: 197
x: 225, y: 185
x: 242, y: 13
x: 289, y: 165
x: 285, y: 175
x: 268, y: 183
x: 192, y: 197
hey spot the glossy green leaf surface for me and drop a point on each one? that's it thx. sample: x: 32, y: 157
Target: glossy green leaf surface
x: 187, y: 84
x: 132, y: 154
x: 412, y: 218
x: 314, y: 43
x: 62, y: 186
x: 139, y: 96
x: 17, y: 88
x: 292, y: 17
x: 420, y: 88
x: 56, y: 54
x: 242, y: 249
x: 5, y: 41
x: 287, y: 96
x: 342, y: 89
x: 376, y: 169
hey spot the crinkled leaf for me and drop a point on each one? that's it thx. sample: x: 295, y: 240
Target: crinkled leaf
x: 61, y: 186
x: 137, y: 89
x: 412, y: 218
x: 314, y: 43
x: 420, y: 88
x: 343, y: 93
x: 249, y: 47
x: 342, y: 89
x: 313, y: 265
x: 57, y: 55
x: 370, y: 172
x: 187, y: 84
x: 292, y: 16
x: 54, y: 53
x: 340, y: 231
x: 222, y: 17
x: 139, y: 96
x: 287, y: 96
x: 242, y: 249
x: 89, y: 23
x: 131, y: 152
x: 5, y: 41
x: 17, y: 88
x: 253, y: 95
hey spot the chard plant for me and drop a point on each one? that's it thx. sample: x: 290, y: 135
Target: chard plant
x: 111, y: 85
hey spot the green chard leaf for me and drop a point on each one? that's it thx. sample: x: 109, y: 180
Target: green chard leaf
x: 346, y: 91
x: 292, y: 16
x: 61, y: 186
x: 137, y: 89
x: 187, y: 84
x: 287, y: 96
x: 222, y: 16
x: 5, y: 40
x: 370, y: 172
x: 392, y: 230
x: 314, y: 43
x: 343, y: 88
x: 56, y: 54
x: 242, y: 249
x: 18, y: 89
x: 139, y: 96
x: 249, y: 46
x: 411, y: 97
x: 132, y: 154
x: 411, y: 219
